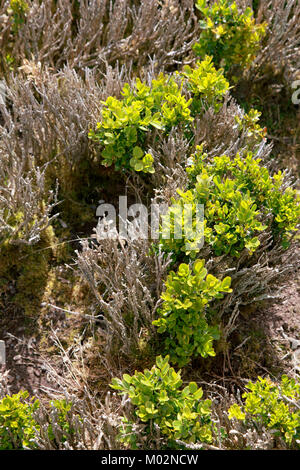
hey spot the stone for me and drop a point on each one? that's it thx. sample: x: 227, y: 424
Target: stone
x: 2, y: 353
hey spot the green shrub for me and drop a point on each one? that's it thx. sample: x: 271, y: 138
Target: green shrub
x: 275, y: 407
x: 18, y: 9
x: 158, y: 400
x: 124, y: 125
x: 207, y: 85
x: 125, y: 122
x: 229, y: 36
x: 63, y: 408
x: 248, y: 123
x: 231, y: 220
x: 238, y: 194
x: 182, y: 316
x: 268, y: 193
x: 17, y: 426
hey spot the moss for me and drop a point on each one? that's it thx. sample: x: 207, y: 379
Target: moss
x: 27, y: 268
x: 65, y: 289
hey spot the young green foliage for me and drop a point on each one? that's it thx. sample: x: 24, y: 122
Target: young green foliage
x: 18, y: 9
x: 238, y: 194
x: 272, y: 406
x: 248, y: 123
x: 182, y: 316
x: 125, y: 122
x: 228, y: 35
x: 124, y: 125
x: 207, y: 85
x: 158, y: 399
x: 62, y: 408
x: 17, y: 426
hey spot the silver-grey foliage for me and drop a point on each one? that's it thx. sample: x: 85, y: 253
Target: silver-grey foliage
x: 126, y: 282
x: 127, y: 31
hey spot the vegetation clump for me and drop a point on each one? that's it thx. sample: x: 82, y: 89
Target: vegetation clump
x: 125, y: 122
x: 239, y: 195
x: 17, y: 425
x: 160, y: 401
x: 275, y: 407
x: 183, y: 313
x: 18, y: 9
x: 230, y: 36
x: 21, y: 428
